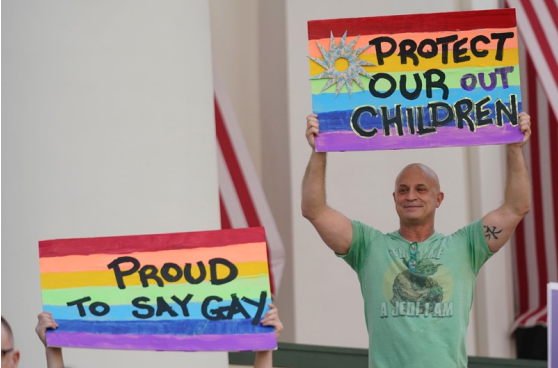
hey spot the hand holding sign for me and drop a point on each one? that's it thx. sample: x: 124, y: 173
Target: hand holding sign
x: 525, y: 128
x: 312, y: 129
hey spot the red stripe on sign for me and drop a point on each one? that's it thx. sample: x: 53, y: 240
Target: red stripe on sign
x: 521, y: 260
x: 552, y: 10
x: 537, y: 187
x: 234, y: 169
x: 541, y: 38
x: 553, y: 132
x: 225, y: 220
x: 438, y: 22
x: 149, y: 243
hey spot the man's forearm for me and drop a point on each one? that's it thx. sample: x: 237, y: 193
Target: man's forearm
x: 518, y: 188
x: 54, y: 357
x: 264, y: 359
x: 313, y: 186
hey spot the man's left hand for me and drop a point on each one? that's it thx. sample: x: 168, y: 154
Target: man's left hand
x: 525, y: 127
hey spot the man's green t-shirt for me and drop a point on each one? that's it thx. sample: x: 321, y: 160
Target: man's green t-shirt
x: 417, y: 299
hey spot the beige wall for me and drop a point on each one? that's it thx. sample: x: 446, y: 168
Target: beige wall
x: 107, y: 109
x: 234, y: 36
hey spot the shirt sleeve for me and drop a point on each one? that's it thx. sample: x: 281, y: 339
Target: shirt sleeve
x: 478, y: 247
x: 363, y: 236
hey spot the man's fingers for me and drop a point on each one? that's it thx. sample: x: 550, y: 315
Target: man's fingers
x: 313, y: 131
x: 313, y: 125
x: 312, y: 121
x: 46, y: 321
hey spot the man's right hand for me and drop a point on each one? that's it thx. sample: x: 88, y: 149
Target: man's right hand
x: 312, y: 129
x: 46, y: 321
x: 54, y: 356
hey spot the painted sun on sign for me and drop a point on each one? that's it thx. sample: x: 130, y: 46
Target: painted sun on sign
x: 345, y: 54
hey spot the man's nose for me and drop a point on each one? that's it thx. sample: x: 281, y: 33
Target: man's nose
x: 411, y: 195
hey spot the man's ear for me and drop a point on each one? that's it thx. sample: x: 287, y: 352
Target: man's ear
x: 15, y: 355
x: 393, y: 196
x: 439, y: 199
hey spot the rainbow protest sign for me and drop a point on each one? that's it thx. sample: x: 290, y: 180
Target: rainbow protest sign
x: 200, y: 291
x: 415, y: 81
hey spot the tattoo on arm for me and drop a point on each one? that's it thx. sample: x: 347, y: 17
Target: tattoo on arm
x: 491, y: 232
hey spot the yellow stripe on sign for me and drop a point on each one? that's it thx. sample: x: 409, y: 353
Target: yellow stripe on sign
x: 65, y: 280
x: 393, y: 63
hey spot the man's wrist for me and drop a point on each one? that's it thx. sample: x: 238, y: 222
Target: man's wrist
x: 514, y: 147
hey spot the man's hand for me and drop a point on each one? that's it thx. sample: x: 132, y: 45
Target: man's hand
x: 312, y: 129
x: 45, y: 322
x: 525, y: 127
x: 271, y: 318
x: 53, y: 355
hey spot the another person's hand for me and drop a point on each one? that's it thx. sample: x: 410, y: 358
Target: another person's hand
x: 45, y: 322
x: 312, y: 129
x: 271, y: 318
x: 525, y: 127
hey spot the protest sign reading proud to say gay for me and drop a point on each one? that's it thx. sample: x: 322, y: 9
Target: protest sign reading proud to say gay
x: 200, y: 291
x: 415, y: 81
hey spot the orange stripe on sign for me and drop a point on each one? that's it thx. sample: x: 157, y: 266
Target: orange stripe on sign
x: 65, y: 280
x: 239, y: 253
x: 511, y: 43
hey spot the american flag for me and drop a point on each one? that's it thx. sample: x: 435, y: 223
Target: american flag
x: 241, y: 196
x: 535, y: 244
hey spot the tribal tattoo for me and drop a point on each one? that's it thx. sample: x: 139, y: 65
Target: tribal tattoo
x: 491, y: 232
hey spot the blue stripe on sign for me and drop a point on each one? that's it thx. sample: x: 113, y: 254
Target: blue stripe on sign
x: 341, y: 120
x: 124, y: 312
x: 169, y: 327
x: 327, y: 102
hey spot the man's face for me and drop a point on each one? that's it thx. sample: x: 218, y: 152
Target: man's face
x: 11, y: 357
x: 417, y: 195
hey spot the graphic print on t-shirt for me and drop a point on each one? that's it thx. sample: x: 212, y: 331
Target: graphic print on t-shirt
x: 421, y: 288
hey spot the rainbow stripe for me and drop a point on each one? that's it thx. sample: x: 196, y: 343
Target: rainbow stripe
x: 338, y: 114
x: 73, y: 269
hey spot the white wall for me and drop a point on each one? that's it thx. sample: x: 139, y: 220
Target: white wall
x: 108, y: 129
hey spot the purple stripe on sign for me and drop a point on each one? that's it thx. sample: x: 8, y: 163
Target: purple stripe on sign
x: 241, y: 342
x: 444, y: 137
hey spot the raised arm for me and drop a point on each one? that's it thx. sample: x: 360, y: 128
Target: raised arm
x: 264, y: 359
x: 53, y: 355
x: 499, y: 224
x: 335, y: 229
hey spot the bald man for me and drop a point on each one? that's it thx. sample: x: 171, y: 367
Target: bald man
x: 417, y: 284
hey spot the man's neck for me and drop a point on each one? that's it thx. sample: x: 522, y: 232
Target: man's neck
x: 416, y: 233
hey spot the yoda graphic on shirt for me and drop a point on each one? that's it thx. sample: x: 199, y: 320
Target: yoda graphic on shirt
x: 417, y: 285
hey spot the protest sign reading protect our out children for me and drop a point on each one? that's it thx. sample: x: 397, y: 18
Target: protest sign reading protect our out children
x: 200, y: 291
x: 415, y: 81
